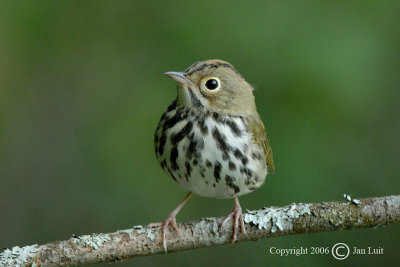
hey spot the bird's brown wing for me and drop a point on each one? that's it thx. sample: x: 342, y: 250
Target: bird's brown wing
x: 260, y: 137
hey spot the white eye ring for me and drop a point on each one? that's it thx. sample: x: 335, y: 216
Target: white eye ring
x: 212, y: 84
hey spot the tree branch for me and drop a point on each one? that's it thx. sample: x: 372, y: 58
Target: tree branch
x: 264, y: 223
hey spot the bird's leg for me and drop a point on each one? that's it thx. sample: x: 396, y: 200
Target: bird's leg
x: 237, y: 216
x: 171, y: 220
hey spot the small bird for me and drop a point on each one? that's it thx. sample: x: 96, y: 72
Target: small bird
x: 211, y: 140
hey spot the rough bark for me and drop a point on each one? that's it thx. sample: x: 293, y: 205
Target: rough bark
x: 267, y: 222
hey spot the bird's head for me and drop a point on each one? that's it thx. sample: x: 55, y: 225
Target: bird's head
x: 214, y: 85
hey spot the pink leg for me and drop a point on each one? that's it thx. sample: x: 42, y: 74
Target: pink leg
x: 237, y: 216
x: 171, y: 220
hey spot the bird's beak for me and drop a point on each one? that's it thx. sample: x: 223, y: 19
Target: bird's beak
x: 179, y: 77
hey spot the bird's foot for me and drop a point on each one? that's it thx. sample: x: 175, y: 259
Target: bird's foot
x: 237, y: 216
x: 170, y: 220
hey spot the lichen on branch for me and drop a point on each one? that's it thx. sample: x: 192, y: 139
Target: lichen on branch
x: 264, y: 223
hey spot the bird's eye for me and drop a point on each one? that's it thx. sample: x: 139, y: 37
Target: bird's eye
x: 212, y: 84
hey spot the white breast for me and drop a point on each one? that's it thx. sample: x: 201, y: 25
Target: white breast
x: 221, y: 162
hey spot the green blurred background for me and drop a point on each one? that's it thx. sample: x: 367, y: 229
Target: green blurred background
x: 82, y: 90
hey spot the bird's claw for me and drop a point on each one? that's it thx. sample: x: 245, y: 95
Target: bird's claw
x: 237, y: 216
x: 171, y: 220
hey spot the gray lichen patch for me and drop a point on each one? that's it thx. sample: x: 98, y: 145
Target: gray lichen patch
x: 18, y: 256
x: 393, y: 204
x: 207, y: 230
x: 122, y: 236
x: 94, y: 240
x: 388, y: 207
x: 277, y: 218
x: 149, y: 233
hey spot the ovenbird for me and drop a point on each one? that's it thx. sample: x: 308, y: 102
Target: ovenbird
x: 211, y: 140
